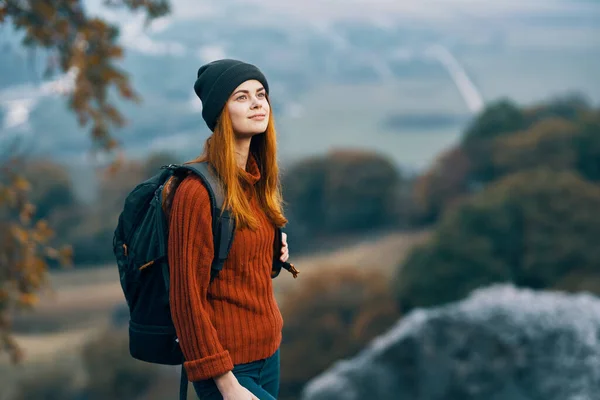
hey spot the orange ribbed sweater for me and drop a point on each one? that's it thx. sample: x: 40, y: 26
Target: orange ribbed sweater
x: 235, y: 319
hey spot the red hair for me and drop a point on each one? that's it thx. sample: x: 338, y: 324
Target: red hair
x: 219, y: 151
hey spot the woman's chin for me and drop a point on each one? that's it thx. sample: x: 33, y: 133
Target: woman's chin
x: 253, y: 129
x: 248, y: 133
x: 260, y: 127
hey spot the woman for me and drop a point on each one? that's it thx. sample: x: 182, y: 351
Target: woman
x: 230, y: 329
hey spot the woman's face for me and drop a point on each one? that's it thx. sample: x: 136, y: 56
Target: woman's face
x: 249, y: 109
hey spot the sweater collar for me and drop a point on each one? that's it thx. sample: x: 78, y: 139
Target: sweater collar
x: 252, y: 172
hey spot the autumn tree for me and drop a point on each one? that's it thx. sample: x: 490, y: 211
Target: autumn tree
x: 561, y: 134
x: 344, y: 191
x: 446, y: 181
x: 86, y: 49
x: 553, y: 142
x: 569, y: 107
x: 536, y: 228
x: 498, y: 118
x: 465, y: 168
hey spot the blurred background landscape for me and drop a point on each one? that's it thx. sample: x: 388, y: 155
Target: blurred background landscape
x: 428, y: 149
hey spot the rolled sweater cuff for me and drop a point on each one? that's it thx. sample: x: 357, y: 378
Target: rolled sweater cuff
x: 209, y: 367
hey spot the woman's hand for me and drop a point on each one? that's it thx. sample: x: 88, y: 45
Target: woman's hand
x: 238, y: 392
x: 231, y: 389
x: 285, y: 251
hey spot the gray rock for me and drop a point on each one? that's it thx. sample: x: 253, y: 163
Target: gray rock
x: 501, y: 343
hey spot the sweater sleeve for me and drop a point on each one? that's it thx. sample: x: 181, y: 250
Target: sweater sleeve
x: 190, y: 253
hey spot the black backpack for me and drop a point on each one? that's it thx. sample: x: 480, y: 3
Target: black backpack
x: 140, y: 247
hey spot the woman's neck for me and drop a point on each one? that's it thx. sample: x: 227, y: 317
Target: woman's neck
x: 242, y: 149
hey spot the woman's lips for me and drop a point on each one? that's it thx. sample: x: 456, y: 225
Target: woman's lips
x: 258, y: 117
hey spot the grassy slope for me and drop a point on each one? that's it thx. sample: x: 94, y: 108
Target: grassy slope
x: 83, y: 300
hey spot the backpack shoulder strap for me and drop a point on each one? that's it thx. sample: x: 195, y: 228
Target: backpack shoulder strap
x: 210, y: 179
x: 223, y: 224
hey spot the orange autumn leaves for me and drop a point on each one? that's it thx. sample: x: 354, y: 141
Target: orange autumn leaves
x: 85, y: 49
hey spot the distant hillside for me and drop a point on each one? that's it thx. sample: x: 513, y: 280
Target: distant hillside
x: 339, y: 75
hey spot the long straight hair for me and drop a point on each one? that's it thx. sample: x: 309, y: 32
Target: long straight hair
x: 219, y: 151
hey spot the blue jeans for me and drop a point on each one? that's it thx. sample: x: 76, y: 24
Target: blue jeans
x: 260, y: 377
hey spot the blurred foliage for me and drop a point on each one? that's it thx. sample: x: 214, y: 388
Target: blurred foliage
x: 497, y: 119
x: 561, y: 134
x: 555, y: 143
x: 56, y: 381
x: 24, y: 251
x: 534, y: 228
x: 89, y: 228
x: 155, y: 161
x: 84, y: 46
x: 51, y: 187
x: 443, y: 184
x: 530, y: 128
x: 112, y: 372
x: 332, y: 315
x: 515, y: 206
x: 85, y: 49
x: 342, y: 192
x: 92, y: 238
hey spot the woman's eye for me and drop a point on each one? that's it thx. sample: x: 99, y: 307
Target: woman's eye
x: 261, y: 95
x: 242, y: 97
